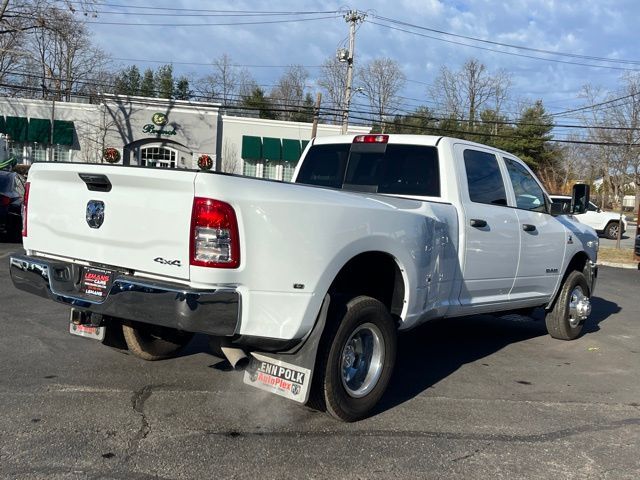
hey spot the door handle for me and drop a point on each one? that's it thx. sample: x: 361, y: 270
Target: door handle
x: 528, y: 227
x: 477, y: 223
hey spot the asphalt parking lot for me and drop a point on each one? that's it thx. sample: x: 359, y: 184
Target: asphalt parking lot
x: 473, y: 398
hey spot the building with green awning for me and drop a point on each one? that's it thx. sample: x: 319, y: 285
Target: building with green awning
x: 154, y: 132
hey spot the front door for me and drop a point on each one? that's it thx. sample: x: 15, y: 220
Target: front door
x: 543, y: 238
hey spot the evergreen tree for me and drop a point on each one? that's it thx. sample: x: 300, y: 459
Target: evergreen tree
x: 164, y: 81
x: 532, y: 132
x: 127, y: 81
x: 147, y: 87
x: 260, y: 102
x: 420, y: 122
x: 305, y: 112
x: 182, y: 91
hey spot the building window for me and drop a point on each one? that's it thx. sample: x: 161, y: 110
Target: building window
x: 160, y: 157
x: 250, y: 168
x: 38, y: 152
x: 16, y: 150
x: 271, y: 170
x: 287, y: 171
x: 61, y: 153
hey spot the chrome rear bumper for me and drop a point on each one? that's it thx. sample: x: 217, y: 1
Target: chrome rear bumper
x: 213, y: 312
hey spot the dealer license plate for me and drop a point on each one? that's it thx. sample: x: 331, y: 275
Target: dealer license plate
x: 96, y: 282
x: 87, y: 331
x: 275, y: 376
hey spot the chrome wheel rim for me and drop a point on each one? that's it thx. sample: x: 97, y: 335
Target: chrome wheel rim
x: 579, y: 307
x: 614, y: 231
x: 361, y: 360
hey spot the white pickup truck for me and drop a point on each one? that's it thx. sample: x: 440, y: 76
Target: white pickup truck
x: 604, y: 223
x: 312, y: 280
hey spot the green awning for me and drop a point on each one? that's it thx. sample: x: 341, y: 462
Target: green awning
x: 291, y: 150
x: 272, y: 149
x: 2, y: 124
x: 251, y: 148
x: 63, y: 132
x: 304, y: 144
x: 39, y: 130
x: 16, y: 128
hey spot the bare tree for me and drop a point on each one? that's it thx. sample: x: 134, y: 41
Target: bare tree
x: 469, y: 91
x: 66, y: 58
x: 289, y: 93
x: 230, y: 159
x: 30, y: 15
x: 618, y: 153
x: 381, y: 80
x: 332, y: 80
x: 221, y: 83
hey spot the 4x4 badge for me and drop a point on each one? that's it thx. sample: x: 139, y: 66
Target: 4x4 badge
x: 95, y: 213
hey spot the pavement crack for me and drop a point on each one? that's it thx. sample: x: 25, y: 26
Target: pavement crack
x: 138, y: 401
x: 491, y: 437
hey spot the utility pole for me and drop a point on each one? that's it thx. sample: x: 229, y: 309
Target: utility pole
x: 316, y: 116
x: 353, y: 17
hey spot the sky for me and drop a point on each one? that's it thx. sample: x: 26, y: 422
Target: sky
x: 190, y: 36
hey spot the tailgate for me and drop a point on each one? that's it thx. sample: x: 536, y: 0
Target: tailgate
x: 146, y: 222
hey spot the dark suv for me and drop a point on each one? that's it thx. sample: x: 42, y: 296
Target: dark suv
x: 11, y: 196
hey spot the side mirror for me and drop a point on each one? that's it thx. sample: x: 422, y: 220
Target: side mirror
x: 556, y: 209
x: 580, y: 198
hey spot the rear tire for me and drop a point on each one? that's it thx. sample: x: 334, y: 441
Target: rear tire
x: 151, y: 342
x: 355, y: 360
x: 564, y: 321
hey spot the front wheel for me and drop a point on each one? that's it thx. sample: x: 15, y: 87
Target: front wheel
x: 356, y: 360
x: 151, y: 342
x: 564, y: 321
x: 611, y: 231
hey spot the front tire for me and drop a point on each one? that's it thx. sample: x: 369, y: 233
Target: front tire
x: 151, y: 342
x: 565, y: 320
x: 356, y: 360
x: 611, y: 230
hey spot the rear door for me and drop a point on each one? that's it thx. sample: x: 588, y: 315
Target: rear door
x: 128, y: 217
x: 491, y: 232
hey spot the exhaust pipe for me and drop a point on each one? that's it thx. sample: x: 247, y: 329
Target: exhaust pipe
x: 236, y: 357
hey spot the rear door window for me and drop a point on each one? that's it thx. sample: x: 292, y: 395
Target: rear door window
x: 484, y: 179
x: 393, y: 168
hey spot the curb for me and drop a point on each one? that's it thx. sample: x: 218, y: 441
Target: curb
x: 629, y: 266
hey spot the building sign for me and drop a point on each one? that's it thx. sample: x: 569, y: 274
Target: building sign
x: 158, y: 120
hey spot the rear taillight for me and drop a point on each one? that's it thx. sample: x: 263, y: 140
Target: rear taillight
x: 214, y: 234
x: 4, y: 200
x: 371, y: 139
x: 25, y: 208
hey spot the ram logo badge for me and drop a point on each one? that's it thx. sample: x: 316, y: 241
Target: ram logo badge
x: 173, y: 263
x: 552, y: 270
x: 95, y: 213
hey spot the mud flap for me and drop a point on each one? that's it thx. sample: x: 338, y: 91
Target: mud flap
x: 289, y: 374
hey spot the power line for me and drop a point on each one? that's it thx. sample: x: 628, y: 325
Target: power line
x: 509, y: 45
x: 204, y: 10
x: 261, y: 22
x: 566, y: 62
x: 436, y: 129
x: 435, y: 118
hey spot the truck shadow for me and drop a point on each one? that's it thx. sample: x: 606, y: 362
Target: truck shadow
x: 434, y: 351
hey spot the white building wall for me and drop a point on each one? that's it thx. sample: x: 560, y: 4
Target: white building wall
x: 234, y: 128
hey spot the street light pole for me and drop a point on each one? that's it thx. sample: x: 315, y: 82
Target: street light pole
x: 353, y: 17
